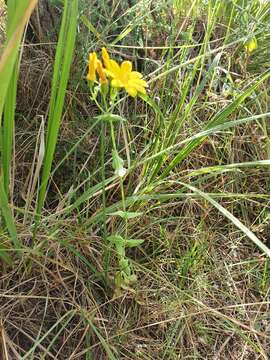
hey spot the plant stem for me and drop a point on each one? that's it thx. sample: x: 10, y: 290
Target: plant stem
x: 121, y: 179
x: 104, y: 227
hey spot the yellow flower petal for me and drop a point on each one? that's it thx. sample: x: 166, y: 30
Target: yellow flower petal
x: 251, y: 45
x: 92, y: 66
x: 116, y: 83
x: 136, y: 74
x: 106, y: 58
x: 131, y: 91
x: 126, y: 67
x: 115, y: 68
x: 139, y: 88
x: 101, y: 73
x: 140, y: 82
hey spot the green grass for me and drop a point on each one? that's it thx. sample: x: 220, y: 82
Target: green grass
x: 195, y: 198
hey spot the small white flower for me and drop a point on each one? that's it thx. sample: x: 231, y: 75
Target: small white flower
x: 121, y: 172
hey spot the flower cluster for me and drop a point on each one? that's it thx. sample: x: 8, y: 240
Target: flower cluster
x: 118, y: 75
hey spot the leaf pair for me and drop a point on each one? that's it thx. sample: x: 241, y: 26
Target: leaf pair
x: 118, y: 240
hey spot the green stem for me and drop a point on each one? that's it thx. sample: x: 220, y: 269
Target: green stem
x: 104, y: 228
x: 124, y: 205
x: 113, y: 136
x: 121, y: 180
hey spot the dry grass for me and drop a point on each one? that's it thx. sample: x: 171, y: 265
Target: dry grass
x: 213, y: 304
x: 203, y: 288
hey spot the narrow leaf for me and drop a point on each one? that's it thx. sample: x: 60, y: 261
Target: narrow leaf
x: 7, y: 214
x: 232, y: 218
x: 126, y: 214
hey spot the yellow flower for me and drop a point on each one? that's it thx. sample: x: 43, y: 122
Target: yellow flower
x: 101, y: 73
x: 251, y: 45
x: 106, y: 58
x: 92, y: 66
x: 123, y: 76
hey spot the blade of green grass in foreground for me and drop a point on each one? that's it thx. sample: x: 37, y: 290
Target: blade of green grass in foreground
x: 18, y: 16
x: 63, y: 60
x: 231, y: 217
x: 24, y: 9
x: 7, y: 215
x: 9, y: 107
x: 8, y: 129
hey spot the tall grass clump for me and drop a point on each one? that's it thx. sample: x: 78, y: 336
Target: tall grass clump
x: 17, y: 18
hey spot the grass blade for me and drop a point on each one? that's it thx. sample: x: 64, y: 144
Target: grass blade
x: 17, y: 25
x: 10, y: 104
x: 62, y: 66
x: 7, y: 215
x: 232, y: 218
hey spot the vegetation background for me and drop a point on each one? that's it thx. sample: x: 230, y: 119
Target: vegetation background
x: 197, y: 153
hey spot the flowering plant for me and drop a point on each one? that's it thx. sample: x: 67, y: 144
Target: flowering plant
x: 108, y: 78
x: 118, y: 76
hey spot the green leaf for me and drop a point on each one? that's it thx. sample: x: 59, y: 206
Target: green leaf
x: 125, y: 267
x: 110, y: 117
x: 117, y: 161
x: 91, y: 28
x: 123, y: 34
x: 116, y: 239
x: 126, y: 214
x: 133, y: 242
